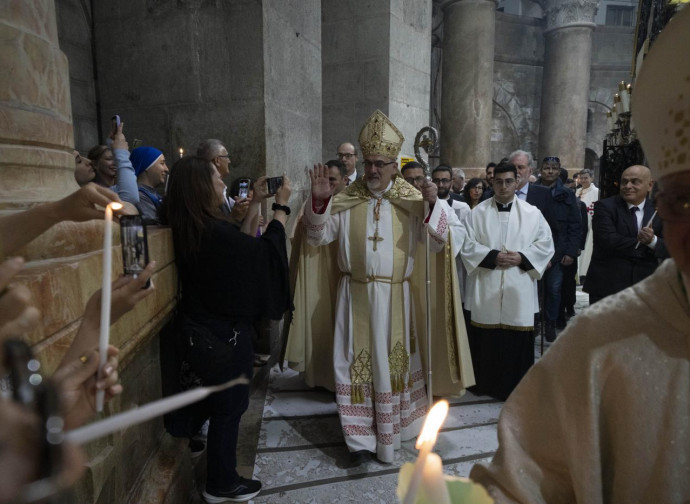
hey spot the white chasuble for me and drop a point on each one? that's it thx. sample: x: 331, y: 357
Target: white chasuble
x: 505, y: 297
x: 588, y: 197
x: 379, y: 382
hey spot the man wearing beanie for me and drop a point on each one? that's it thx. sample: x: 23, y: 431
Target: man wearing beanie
x: 151, y: 170
x: 603, y: 417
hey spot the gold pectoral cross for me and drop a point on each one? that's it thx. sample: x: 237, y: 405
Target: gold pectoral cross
x: 376, y: 238
x: 377, y: 214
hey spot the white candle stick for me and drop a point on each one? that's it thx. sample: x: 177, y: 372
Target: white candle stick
x: 648, y: 224
x: 433, y: 482
x: 425, y: 443
x: 147, y: 412
x: 181, y: 152
x: 106, y: 290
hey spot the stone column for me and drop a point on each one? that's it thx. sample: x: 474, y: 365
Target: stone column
x: 565, y: 84
x: 468, y: 77
x: 36, y: 139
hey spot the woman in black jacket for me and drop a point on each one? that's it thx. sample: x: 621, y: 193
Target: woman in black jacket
x: 229, y: 280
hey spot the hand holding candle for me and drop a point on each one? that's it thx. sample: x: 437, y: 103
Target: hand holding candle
x: 425, y: 443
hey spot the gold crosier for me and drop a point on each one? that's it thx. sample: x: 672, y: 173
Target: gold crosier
x: 398, y: 359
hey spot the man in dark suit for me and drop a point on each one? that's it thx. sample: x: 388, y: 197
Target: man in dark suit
x: 627, y: 247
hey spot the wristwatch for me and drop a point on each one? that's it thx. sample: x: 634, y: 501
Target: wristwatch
x: 278, y: 206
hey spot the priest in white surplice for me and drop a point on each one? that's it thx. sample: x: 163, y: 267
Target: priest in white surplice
x: 379, y: 223
x: 507, y: 249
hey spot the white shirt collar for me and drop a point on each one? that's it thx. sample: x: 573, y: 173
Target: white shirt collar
x: 640, y: 206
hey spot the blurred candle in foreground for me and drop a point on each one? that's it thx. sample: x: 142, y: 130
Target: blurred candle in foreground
x: 425, y: 443
x: 106, y: 290
x: 433, y: 482
x: 181, y: 152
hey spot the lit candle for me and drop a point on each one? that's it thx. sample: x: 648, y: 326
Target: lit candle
x: 618, y: 105
x: 181, y: 152
x: 425, y: 443
x: 106, y: 290
x: 433, y: 481
x: 151, y: 410
x: 625, y: 97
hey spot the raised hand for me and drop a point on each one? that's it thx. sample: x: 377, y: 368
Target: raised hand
x: 284, y: 191
x: 429, y: 191
x: 320, y: 186
x: 119, y: 140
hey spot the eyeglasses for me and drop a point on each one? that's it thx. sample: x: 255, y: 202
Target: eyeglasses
x: 225, y: 156
x: 345, y: 155
x: 551, y: 158
x: 377, y: 164
x: 415, y: 180
x: 673, y: 206
x: 441, y: 181
x: 504, y: 182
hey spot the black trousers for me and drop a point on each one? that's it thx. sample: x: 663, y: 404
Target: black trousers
x: 221, y: 354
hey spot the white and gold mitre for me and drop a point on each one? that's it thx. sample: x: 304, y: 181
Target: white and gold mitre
x: 379, y: 136
x: 661, y: 99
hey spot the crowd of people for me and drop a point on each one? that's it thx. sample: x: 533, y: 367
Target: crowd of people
x: 505, y: 253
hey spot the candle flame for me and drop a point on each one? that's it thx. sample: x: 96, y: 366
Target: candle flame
x: 432, y: 424
x: 115, y: 205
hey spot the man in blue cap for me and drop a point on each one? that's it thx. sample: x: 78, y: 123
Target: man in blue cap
x: 151, y: 170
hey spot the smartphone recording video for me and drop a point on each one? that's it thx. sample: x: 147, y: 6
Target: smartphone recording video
x: 244, y: 189
x: 273, y: 184
x: 135, y: 248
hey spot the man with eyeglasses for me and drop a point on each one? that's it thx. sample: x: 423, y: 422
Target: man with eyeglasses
x: 442, y: 177
x: 603, y: 416
x: 379, y: 224
x: 507, y: 249
x: 628, y: 242
x: 347, y: 153
x: 413, y: 173
x: 566, y: 227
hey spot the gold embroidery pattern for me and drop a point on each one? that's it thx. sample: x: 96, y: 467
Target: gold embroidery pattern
x: 380, y: 136
x: 399, y: 366
x: 402, y: 189
x: 360, y: 373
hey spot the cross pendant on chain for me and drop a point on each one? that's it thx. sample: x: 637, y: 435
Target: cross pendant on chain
x: 376, y: 238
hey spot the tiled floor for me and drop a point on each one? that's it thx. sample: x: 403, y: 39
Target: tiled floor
x: 301, y: 456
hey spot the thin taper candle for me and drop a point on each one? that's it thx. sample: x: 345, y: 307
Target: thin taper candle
x: 106, y: 289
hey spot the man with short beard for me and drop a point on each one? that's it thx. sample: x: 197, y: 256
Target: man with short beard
x: 441, y: 176
x: 379, y: 222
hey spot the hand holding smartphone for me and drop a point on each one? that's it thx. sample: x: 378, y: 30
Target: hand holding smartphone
x: 273, y: 184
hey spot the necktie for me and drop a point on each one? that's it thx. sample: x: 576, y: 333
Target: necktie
x: 633, y: 212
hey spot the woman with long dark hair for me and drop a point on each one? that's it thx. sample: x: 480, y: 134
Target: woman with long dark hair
x: 473, y: 192
x: 229, y: 280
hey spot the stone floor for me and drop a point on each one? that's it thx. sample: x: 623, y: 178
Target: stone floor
x: 291, y: 441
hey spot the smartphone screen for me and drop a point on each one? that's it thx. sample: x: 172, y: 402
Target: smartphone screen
x: 273, y: 184
x: 135, y: 248
x: 244, y: 189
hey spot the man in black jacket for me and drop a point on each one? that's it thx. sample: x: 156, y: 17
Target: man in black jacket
x: 627, y: 246
x: 566, y: 227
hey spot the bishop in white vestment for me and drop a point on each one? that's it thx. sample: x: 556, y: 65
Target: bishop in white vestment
x: 378, y: 223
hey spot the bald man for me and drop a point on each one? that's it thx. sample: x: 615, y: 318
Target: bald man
x: 347, y: 153
x: 627, y: 247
